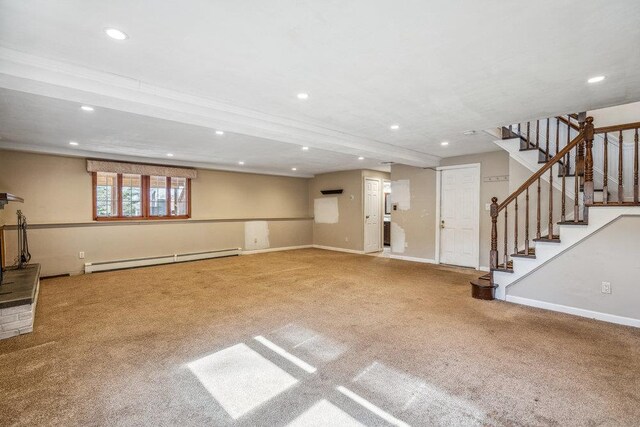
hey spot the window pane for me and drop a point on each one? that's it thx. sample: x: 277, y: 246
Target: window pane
x: 107, y: 194
x: 179, y: 196
x: 131, y: 195
x: 157, y: 195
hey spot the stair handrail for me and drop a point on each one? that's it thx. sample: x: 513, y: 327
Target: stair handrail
x: 617, y: 128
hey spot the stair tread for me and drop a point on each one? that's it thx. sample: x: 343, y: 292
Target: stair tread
x: 573, y: 223
x: 521, y: 254
x: 555, y: 239
x: 501, y: 267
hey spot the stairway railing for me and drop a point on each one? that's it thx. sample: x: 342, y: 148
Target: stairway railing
x: 583, y: 167
x: 623, y: 133
x: 524, y: 189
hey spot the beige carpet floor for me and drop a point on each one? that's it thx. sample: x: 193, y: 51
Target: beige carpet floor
x: 116, y: 349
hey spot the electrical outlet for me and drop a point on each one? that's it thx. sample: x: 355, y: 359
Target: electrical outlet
x: 606, y: 287
x: 81, y: 255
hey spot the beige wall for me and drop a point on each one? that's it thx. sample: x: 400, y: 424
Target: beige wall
x: 418, y: 222
x: 348, y: 233
x: 58, y: 205
x: 574, y: 278
x: 58, y: 190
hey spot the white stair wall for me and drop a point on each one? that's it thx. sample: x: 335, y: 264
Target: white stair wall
x: 570, y: 235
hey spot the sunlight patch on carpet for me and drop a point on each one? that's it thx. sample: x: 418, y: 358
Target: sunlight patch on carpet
x: 323, y: 414
x: 240, y: 379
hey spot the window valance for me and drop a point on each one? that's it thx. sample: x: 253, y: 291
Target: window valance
x: 140, y: 169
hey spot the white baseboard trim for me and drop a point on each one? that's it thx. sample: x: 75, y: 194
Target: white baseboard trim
x: 483, y: 268
x: 413, y: 259
x: 331, y: 248
x: 612, y: 318
x: 283, y: 248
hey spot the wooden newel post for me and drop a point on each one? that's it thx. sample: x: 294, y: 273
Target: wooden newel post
x: 588, y: 166
x: 493, y: 254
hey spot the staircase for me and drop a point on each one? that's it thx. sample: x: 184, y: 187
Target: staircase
x: 593, y: 173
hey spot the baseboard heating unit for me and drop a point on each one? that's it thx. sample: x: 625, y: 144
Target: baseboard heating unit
x: 93, y: 267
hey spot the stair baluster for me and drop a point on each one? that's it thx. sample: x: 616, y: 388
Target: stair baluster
x: 546, y: 150
x: 506, y: 249
x: 528, y: 134
x: 493, y: 254
x: 635, y: 167
x: 576, y: 189
x: 563, y: 198
x: 538, y: 134
x: 605, y: 173
x: 551, y: 203
x: 538, y: 235
x: 620, y: 185
x: 526, y: 222
x: 567, y: 164
x: 558, y: 135
x: 515, y: 225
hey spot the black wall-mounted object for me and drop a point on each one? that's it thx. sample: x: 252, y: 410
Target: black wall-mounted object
x: 325, y: 192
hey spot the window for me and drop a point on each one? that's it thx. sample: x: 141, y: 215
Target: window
x: 158, y: 195
x: 107, y: 195
x: 178, y: 197
x: 131, y: 196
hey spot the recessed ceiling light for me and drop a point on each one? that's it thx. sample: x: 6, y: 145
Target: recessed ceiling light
x: 73, y: 143
x: 394, y: 127
x: 87, y: 108
x: 303, y: 95
x: 294, y: 169
x: 305, y: 148
x: 116, y: 34
x: 469, y: 132
x: 444, y: 143
x: 219, y: 132
x: 595, y: 79
x: 360, y: 158
x: 169, y: 154
x: 241, y: 163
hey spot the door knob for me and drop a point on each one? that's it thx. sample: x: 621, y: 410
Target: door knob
x: 367, y: 217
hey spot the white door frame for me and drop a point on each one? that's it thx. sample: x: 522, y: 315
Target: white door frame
x: 439, y: 170
x: 380, y: 214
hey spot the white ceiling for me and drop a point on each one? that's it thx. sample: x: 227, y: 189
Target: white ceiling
x: 47, y: 124
x: 435, y: 68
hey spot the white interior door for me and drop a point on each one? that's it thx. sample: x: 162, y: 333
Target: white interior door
x: 372, y: 209
x: 459, y: 216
